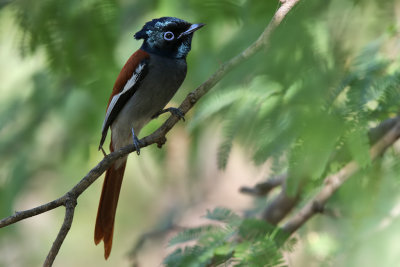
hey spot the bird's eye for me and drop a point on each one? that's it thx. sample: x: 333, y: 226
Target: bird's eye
x: 169, y: 36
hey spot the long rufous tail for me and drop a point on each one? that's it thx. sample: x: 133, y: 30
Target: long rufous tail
x: 108, y: 206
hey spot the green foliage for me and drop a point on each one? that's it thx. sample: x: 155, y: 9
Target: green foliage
x: 66, y: 38
x: 192, y: 234
x: 306, y: 104
x: 223, y: 215
x: 312, y: 113
x: 243, y: 242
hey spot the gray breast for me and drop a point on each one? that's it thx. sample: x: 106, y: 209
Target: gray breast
x: 163, y: 79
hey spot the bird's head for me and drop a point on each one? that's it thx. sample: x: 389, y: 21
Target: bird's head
x: 168, y: 36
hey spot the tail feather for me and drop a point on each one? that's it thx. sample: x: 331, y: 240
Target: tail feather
x: 104, y: 228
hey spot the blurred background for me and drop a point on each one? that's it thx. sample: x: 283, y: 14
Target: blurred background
x: 302, y: 107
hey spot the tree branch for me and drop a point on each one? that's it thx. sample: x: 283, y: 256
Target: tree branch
x: 282, y: 204
x: 68, y: 218
x: 21, y: 215
x: 334, y: 181
x: 69, y: 200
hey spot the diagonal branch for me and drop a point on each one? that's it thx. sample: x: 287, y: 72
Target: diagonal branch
x: 334, y: 181
x: 282, y: 204
x: 158, y: 137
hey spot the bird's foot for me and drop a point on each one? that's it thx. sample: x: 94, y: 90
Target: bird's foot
x: 136, y: 142
x: 174, y: 111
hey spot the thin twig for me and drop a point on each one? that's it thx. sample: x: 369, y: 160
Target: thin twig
x: 68, y: 218
x: 157, y: 137
x: 334, y: 181
x: 262, y: 189
x: 20, y: 215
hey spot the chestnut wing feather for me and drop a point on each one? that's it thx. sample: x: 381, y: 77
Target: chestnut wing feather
x: 123, y: 91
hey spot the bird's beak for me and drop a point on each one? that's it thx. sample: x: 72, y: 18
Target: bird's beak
x: 192, y: 29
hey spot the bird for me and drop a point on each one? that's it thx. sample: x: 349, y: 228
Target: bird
x: 146, y: 83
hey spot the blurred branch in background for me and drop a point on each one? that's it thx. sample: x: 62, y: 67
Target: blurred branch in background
x: 262, y: 189
x: 70, y: 198
x: 382, y: 136
x: 297, y: 112
x: 248, y: 229
x: 334, y: 181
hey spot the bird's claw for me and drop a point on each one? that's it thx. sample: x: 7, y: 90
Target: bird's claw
x: 136, y: 142
x: 174, y: 111
x: 177, y: 113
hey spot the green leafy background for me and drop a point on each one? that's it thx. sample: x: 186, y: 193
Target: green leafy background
x: 303, y: 106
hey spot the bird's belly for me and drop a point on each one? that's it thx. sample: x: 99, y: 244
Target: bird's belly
x: 155, y: 91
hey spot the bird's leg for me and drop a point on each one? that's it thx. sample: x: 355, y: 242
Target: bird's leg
x: 174, y: 111
x: 102, y: 150
x: 136, y: 142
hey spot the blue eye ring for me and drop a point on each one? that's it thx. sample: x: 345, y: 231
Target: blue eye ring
x: 169, y: 36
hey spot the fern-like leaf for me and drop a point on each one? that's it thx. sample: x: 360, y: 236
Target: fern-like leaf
x: 224, y: 215
x: 192, y: 234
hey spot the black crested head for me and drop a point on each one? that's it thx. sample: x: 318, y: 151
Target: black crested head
x: 168, y: 36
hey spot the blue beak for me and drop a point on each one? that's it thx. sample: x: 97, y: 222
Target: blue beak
x: 192, y: 29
